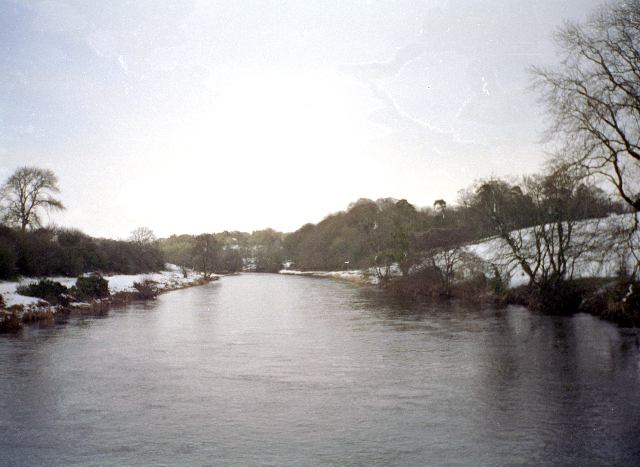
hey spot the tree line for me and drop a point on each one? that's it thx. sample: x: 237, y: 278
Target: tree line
x: 385, y: 232
x: 226, y: 252
x: 29, y: 248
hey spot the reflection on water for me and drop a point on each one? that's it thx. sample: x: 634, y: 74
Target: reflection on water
x: 278, y: 369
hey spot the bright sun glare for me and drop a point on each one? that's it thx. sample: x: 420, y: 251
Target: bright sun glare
x: 267, y: 133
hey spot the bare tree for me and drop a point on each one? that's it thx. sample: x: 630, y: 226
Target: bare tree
x: 142, y: 236
x: 557, y: 208
x: 26, y: 193
x: 442, y: 250
x: 536, y: 224
x: 505, y: 209
x: 593, y: 96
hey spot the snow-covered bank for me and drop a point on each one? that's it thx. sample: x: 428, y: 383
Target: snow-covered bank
x: 358, y: 276
x: 169, y: 279
x: 598, y: 249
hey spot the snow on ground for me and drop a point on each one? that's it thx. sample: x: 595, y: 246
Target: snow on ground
x: 362, y: 276
x: 170, y: 278
x: 598, y: 245
x: 8, y: 292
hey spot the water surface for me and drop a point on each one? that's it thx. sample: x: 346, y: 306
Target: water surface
x: 267, y: 369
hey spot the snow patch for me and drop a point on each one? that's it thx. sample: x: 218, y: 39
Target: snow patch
x: 170, y: 278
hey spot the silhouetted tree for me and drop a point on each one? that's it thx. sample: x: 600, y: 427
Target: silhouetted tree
x: 593, y: 96
x: 28, y: 191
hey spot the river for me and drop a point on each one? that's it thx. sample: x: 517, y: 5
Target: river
x: 269, y: 369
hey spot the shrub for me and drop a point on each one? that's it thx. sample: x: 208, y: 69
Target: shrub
x: 8, y: 259
x: 423, y: 284
x: 147, y: 289
x: 92, y: 286
x: 563, y: 297
x: 474, y: 290
x: 46, y: 289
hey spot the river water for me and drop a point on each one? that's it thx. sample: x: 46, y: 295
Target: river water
x: 268, y: 369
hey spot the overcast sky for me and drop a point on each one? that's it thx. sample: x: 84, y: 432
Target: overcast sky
x: 191, y: 116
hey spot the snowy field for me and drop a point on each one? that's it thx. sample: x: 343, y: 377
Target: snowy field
x: 598, y: 247
x: 171, y: 278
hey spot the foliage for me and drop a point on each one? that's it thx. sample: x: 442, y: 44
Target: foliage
x: 226, y: 250
x: 370, y: 233
x: 46, y: 289
x: 230, y: 261
x: 92, y: 286
x: 266, y: 248
x: 205, y: 253
x: 69, y: 252
x: 8, y: 258
x: 177, y: 249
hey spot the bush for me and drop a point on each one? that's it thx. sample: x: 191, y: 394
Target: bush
x: 423, y: 284
x: 147, y: 289
x: 474, y: 290
x: 45, y: 289
x: 8, y: 259
x: 562, y: 297
x: 93, y: 286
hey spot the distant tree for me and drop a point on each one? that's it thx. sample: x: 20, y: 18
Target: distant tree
x: 178, y: 249
x: 230, y: 261
x: 8, y: 258
x: 404, y: 220
x: 205, y: 253
x: 267, y: 250
x: 142, y: 236
x: 439, y: 207
x: 441, y: 250
x: 504, y: 209
x: 497, y: 207
x: 26, y: 193
x: 593, y: 96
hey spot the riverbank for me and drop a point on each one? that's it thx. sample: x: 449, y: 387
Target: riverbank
x: 606, y: 297
x: 16, y: 309
x: 356, y: 276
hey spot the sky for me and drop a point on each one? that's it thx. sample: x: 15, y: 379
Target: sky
x: 201, y: 115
